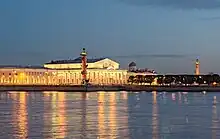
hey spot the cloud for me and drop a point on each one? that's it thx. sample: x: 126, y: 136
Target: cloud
x: 210, y: 18
x: 155, y: 56
x: 180, y: 4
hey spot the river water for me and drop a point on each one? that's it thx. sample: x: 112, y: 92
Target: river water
x: 109, y: 115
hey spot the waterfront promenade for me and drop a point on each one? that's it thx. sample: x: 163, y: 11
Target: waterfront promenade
x: 132, y: 88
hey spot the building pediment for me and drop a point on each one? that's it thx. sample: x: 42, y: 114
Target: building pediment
x: 107, y: 63
x: 98, y: 63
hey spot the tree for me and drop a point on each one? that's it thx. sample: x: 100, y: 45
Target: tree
x: 200, y: 79
x: 149, y: 79
x: 141, y: 79
x: 138, y: 79
x: 216, y: 78
x: 209, y: 79
x: 190, y: 79
x: 160, y: 79
x: 131, y: 79
x: 168, y: 79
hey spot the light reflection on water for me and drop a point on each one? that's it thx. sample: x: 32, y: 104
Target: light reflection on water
x: 155, y: 116
x: 109, y: 115
x: 19, y: 115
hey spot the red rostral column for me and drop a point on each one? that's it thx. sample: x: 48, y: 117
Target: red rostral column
x: 84, y: 65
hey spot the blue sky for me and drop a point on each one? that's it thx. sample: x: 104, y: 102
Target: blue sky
x: 37, y: 31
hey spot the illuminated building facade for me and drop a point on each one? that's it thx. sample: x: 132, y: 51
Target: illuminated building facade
x: 69, y: 72
x: 44, y: 76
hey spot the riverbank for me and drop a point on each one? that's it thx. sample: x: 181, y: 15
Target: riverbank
x: 63, y: 88
x: 129, y: 88
x: 173, y: 88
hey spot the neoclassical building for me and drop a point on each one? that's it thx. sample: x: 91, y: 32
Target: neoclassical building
x: 102, y: 71
x: 99, y: 71
x: 64, y: 72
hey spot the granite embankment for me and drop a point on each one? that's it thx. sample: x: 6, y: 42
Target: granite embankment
x: 63, y: 88
x: 129, y: 88
x: 173, y: 88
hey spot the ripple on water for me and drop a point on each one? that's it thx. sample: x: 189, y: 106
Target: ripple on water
x: 106, y: 115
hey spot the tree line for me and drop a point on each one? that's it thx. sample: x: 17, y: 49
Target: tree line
x: 175, y: 79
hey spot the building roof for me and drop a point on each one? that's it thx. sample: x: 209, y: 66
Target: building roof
x: 132, y: 64
x: 73, y: 61
x: 40, y: 67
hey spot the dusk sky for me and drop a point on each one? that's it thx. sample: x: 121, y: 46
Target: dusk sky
x: 165, y: 35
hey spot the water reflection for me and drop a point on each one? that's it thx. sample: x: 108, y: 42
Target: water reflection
x: 57, y: 119
x: 112, y: 115
x: 104, y: 115
x: 155, y: 117
x: 173, y: 96
x: 62, y: 114
x: 215, y: 120
x: 124, y: 95
x: 109, y: 117
x: 186, y: 99
x: 19, y: 115
x: 180, y: 97
x: 122, y: 116
x: 83, y: 115
x: 101, y: 115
